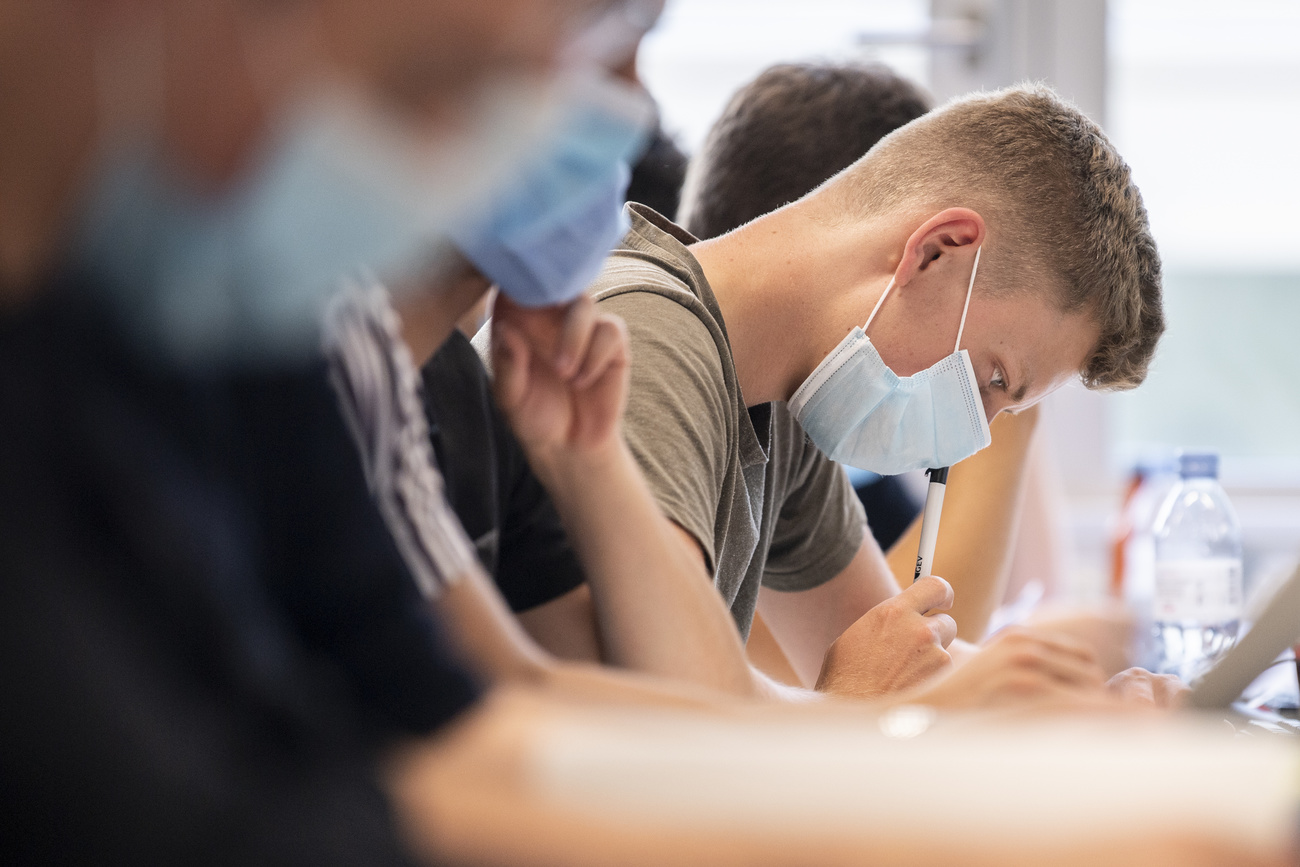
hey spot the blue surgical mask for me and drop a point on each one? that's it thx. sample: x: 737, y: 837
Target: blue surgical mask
x: 861, y: 413
x: 241, y: 278
x: 545, y: 239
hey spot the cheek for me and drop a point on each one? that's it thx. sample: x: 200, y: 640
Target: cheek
x: 994, y: 403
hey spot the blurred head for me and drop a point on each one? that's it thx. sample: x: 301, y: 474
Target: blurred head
x: 1068, y: 257
x: 235, y: 157
x: 215, y: 78
x: 543, y: 238
x: 787, y: 131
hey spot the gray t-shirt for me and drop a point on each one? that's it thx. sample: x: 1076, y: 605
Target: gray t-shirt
x: 766, y: 506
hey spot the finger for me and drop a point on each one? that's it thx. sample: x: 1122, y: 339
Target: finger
x: 1063, y: 667
x: 575, y: 334
x: 943, y: 627
x: 539, y: 327
x: 607, y: 351
x: 930, y: 593
x: 502, y: 308
x: 1171, y: 691
x: 509, y: 364
x: 1059, y: 642
x: 1132, y: 686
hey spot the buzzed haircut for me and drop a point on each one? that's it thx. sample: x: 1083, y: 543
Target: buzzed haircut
x: 787, y: 131
x: 1063, y: 215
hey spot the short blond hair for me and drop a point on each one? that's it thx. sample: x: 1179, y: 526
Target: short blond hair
x: 1059, y: 203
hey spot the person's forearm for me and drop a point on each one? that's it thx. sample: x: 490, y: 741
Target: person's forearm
x: 483, y: 629
x: 656, y: 605
x: 976, y: 536
x: 807, y: 623
x: 510, y: 782
x: 601, y: 687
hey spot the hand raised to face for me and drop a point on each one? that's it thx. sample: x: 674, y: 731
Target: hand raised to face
x: 560, y: 377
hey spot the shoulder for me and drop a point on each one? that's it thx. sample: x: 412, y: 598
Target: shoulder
x: 664, y: 315
x: 637, y: 280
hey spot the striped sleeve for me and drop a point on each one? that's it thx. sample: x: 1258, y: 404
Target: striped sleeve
x: 379, y: 393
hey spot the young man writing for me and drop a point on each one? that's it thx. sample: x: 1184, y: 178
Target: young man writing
x: 742, y: 343
x: 780, y: 137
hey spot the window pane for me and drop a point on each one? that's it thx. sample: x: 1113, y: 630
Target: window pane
x: 702, y: 51
x: 1204, y: 102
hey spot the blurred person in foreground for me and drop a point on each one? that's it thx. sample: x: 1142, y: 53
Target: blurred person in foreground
x: 212, y: 636
x: 174, y: 481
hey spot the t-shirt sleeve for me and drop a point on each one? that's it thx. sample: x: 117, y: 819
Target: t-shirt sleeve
x: 676, y: 422
x: 821, y: 523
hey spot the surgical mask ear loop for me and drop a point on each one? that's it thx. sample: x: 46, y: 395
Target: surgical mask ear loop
x: 965, y: 307
x: 876, y: 309
x: 969, y: 286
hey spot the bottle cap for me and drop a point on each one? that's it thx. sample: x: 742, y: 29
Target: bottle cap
x: 1198, y: 465
x: 1156, y: 461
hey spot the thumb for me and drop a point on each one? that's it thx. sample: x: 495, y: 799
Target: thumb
x: 929, y: 593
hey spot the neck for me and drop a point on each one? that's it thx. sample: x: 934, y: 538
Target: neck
x: 790, y: 288
x: 430, y: 313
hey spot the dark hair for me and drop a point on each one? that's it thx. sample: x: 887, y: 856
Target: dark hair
x: 657, y: 176
x: 786, y: 132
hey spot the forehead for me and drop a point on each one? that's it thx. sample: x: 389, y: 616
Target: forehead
x: 446, y: 42
x: 419, y: 52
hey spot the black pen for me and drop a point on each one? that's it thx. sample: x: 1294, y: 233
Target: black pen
x: 930, y: 521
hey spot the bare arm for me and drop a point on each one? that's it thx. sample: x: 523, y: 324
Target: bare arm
x: 808, y: 622
x: 980, y: 512
x: 485, y: 630
x: 899, y: 649
x: 655, y: 603
x: 561, y: 379
x: 566, y: 627
x: 493, y: 790
x: 766, y: 655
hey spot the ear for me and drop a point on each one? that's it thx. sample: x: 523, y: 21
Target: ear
x: 952, y: 231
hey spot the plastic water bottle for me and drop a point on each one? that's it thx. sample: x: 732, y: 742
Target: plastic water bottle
x: 1197, y: 600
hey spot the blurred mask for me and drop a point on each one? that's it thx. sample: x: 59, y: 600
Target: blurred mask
x: 242, y: 277
x: 544, y: 240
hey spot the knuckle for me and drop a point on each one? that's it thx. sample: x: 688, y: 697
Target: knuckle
x: 1024, y: 684
x: 1026, y: 657
x: 889, y: 612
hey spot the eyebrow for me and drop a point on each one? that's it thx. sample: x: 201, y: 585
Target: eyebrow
x: 1019, y: 394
